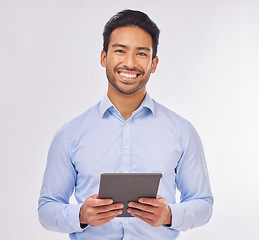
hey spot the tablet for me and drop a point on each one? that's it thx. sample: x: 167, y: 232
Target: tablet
x: 128, y: 187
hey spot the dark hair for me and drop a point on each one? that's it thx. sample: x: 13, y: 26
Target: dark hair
x: 131, y: 18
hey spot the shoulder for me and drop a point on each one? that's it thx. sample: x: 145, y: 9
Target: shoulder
x: 180, y: 126
x: 81, y: 121
x: 169, y: 116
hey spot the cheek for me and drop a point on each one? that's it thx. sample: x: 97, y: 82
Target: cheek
x: 146, y: 62
x: 148, y: 67
x: 114, y: 59
x: 109, y: 66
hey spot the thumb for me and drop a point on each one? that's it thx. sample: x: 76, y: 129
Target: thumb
x: 95, y: 196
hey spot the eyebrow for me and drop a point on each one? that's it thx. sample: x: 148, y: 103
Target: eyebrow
x: 119, y: 45
x: 144, y: 48
x: 124, y: 46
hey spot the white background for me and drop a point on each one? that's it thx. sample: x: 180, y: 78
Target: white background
x: 207, y: 73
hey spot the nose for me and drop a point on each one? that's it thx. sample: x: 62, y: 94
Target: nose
x: 129, y: 60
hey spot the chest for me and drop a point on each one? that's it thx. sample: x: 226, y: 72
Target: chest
x: 126, y: 147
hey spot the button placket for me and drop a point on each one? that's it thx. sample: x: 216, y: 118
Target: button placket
x: 126, y: 147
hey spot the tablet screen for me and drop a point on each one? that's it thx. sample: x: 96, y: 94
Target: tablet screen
x: 128, y: 187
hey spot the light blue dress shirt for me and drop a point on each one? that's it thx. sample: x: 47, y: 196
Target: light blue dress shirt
x: 153, y: 139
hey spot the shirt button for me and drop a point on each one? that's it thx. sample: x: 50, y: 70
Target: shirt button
x: 125, y: 223
x: 125, y: 171
x: 126, y: 146
x: 126, y: 124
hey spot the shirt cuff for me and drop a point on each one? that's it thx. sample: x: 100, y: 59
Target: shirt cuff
x: 73, y: 217
x: 177, y: 216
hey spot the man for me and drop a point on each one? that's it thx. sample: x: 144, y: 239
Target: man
x: 126, y: 132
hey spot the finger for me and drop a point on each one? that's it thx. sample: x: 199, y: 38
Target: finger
x: 95, y: 196
x: 148, y: 221
x: 143, y: 207
x: 158, y: 202
x: 104, y: 220
x: 142, y: 214
x: 149, y: 218
x: 110, y: 214
x: 111, y: 207
x: 93, y: 218
x: 150, y: 201
x: 97, y: 222
x: 95, y: 202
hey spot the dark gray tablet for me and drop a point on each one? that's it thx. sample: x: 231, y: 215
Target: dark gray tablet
x: 128, y: 187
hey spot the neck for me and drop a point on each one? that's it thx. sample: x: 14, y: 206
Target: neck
x: 126, y: 104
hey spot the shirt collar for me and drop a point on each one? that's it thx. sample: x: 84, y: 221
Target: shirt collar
x: 106, y: 104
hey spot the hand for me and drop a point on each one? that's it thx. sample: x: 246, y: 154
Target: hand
x: 155, y: 212
x: 96, y: 212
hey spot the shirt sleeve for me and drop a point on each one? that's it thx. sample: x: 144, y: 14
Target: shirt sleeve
x: 195, y: 207
x: 55, y: 212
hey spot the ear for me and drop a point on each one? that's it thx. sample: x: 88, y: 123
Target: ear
x: 103, y: 58
x: 154, y: 64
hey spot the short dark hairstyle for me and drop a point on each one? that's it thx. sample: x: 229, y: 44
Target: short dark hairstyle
x: 131, y: 18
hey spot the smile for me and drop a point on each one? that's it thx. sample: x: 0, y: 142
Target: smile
x: 128, y: 75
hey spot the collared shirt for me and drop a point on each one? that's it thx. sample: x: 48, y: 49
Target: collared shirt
x: 153, y: 139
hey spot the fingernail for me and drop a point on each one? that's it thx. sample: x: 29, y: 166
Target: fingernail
x: 141, y: 200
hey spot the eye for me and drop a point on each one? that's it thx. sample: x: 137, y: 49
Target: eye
x: 142, y: 54
x: 119, y: 51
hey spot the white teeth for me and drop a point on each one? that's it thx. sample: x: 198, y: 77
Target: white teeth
x: 126, y: 75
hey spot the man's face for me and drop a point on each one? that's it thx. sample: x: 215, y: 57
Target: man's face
x: 128, y: 61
